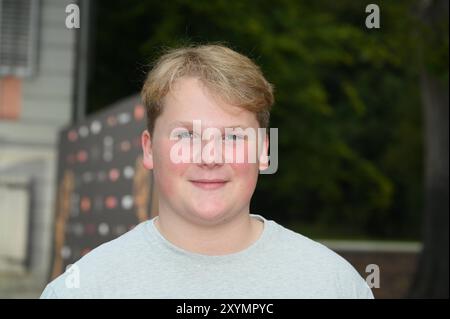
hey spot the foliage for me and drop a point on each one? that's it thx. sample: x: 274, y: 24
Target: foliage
x: 347, y: 98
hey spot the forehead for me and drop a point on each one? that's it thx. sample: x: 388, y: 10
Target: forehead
x: 190, y: 100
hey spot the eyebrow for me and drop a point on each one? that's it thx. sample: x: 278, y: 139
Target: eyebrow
x: 189, y: 125
x: 186, y: 124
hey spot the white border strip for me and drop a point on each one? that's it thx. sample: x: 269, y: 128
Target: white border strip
x: 372, y: 246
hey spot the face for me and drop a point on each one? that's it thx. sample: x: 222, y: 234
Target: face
x: 203, y: 191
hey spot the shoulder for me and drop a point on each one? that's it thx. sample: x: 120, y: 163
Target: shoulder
x: 321, y: 262
x: 91, y: 274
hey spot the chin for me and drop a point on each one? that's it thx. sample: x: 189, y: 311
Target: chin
x: 209, y: 213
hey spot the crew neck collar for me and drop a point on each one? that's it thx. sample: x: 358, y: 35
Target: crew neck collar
x: 159, y: 239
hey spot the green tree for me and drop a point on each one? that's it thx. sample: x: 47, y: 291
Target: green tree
x: 347, y: 106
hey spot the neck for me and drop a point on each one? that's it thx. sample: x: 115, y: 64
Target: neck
x: 225, y: 237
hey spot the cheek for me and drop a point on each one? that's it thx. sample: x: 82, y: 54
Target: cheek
x: 245, y: 164
x: 246, y: 176
x: 166, y: 172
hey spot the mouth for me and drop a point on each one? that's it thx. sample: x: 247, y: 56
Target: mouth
x: 209, y: 184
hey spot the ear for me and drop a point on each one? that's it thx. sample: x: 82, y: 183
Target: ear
x: 263, y: 156
x: 146, y: 142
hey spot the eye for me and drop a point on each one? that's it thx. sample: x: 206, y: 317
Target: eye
x: 233, y: 137
x: 184, y: 134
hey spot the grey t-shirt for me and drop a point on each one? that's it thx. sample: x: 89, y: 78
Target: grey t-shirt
x: 143, y: 264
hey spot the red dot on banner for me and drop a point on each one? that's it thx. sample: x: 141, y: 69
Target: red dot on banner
x: 85, y: 251
x: 90, y: 229
x: 110, y: 202
x: 111, y: 120
x: 72, y: 135
x: 125, y: 146
x: 85, y: 204
x: 114, y: 174
x: 82, y: 156
x: 139, y: 112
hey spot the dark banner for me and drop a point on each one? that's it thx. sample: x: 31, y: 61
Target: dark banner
x: 103, y: 190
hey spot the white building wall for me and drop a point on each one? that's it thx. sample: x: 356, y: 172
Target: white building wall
x: 28, y: 146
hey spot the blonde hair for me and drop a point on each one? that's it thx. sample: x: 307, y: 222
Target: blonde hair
x: 229, y: 75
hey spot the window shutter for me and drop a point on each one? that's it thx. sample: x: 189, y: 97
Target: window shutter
x: 18, y: 37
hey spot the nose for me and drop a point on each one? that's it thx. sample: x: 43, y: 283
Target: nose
x: 210, y: 154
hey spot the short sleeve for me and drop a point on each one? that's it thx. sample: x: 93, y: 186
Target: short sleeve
x: 48, y: 293
x: 363, y: 291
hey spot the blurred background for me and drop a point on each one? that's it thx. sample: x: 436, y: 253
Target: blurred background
x: 362, y: 115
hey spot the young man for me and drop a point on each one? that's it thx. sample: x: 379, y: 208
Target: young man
x: 205, y: 243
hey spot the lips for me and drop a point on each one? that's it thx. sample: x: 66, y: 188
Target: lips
x: 209, y: 184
